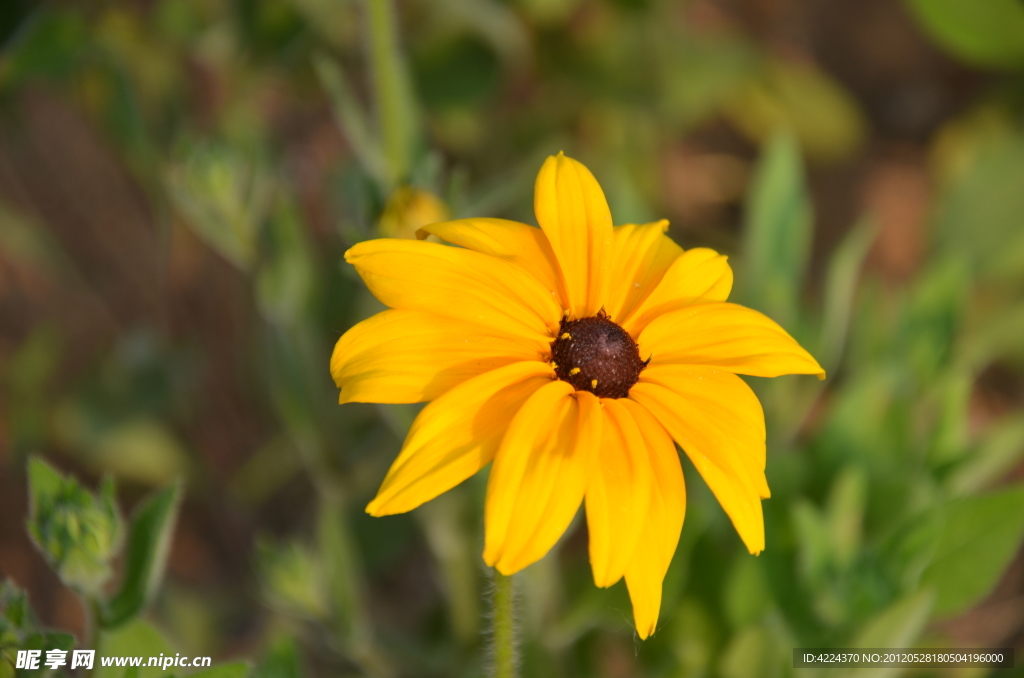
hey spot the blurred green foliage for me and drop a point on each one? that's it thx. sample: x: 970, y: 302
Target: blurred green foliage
x: 267, y: 136
x: 78, y: 533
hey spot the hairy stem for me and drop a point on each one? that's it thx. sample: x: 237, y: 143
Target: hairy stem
x: 503, y: 635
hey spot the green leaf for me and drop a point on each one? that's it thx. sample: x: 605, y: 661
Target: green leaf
x: 813, y: 540
x: 293, y: 580
x: 392, y: 89
x: 778, y: 231
x: 134, y: 639
x: 351, y: 119
x: 821, y: 114
x: 76, y: 531
x: 342, y: 569
x: 898, y: 625
x: 281, y: 661
x: 145, y: 556
x: 44, y: 641
x: 140, y: 450
x: 985, y: 33
x: 980, y: 535
x: 998, y: 338
x: 457, y: 559
x: 846, y: 514
x: 14, y: 609
x: 841, y: 280
x: 285, y: 281
x: 44, y: 482
x: 747, y: 593
x: 1001, y: 448
x: 224, y: 193
x: 979, y: 217
x: 748, y: 655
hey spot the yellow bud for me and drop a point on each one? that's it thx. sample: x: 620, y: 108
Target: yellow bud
x: 408, y: 210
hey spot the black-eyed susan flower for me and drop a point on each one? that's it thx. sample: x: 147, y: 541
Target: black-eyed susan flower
x: 572, y: 357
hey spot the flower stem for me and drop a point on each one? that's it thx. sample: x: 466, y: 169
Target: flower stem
x: 92, y: 628
x: 396, y: 106
x: 504, y: 628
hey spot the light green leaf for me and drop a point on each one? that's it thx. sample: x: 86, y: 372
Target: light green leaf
x: 396, y: 105
x: 748, y: 655
x: 224, y: 195
x: 999, y: 337
x: 141, y: 450
x: 985, y: 33
x: 703, y: 73
x: 980, y: 535
x: 456, y: 557
x: 134, y: 639
x: 821, y: 114
x: 694, y: 637
x: 898, y: 625
x: 813, y: 540
x: 351, y: 119
x: 77, y: 532
x: 44, y: 482
x: 841, y: 280
x: 145, y: 556
x: 778, y: 231
x: 1001, y: 448
x: 846, y: 513
x: 979, y: 218
x: 293, y: 580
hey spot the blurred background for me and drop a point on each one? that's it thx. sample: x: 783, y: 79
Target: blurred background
x: 180, y: 178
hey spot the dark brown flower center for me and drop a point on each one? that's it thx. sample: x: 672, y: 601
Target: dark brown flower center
x: 594, y: 354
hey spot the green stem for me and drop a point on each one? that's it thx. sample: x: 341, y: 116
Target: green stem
x: 504, y: 628
x: 395, y: 103
x: 92, y: 631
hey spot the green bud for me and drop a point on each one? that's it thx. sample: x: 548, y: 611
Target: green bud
x: 78, y: 532
x: 293, y: 580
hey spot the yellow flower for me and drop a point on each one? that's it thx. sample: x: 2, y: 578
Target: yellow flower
x: 571, y: 356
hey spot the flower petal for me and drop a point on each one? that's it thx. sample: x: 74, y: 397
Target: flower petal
x: 729, y: 337
x: 719, y: 423
x: 697, y: 276
x: 572, y: 211
x: 457, y: 283
x: 662, y: 523
x: 618, y: 493
x: 539, y: 475
x: 400, y: 356
x: 456, y: 435
x: 520, y: 244
x: 641, y: 255
x: 725, y: 400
